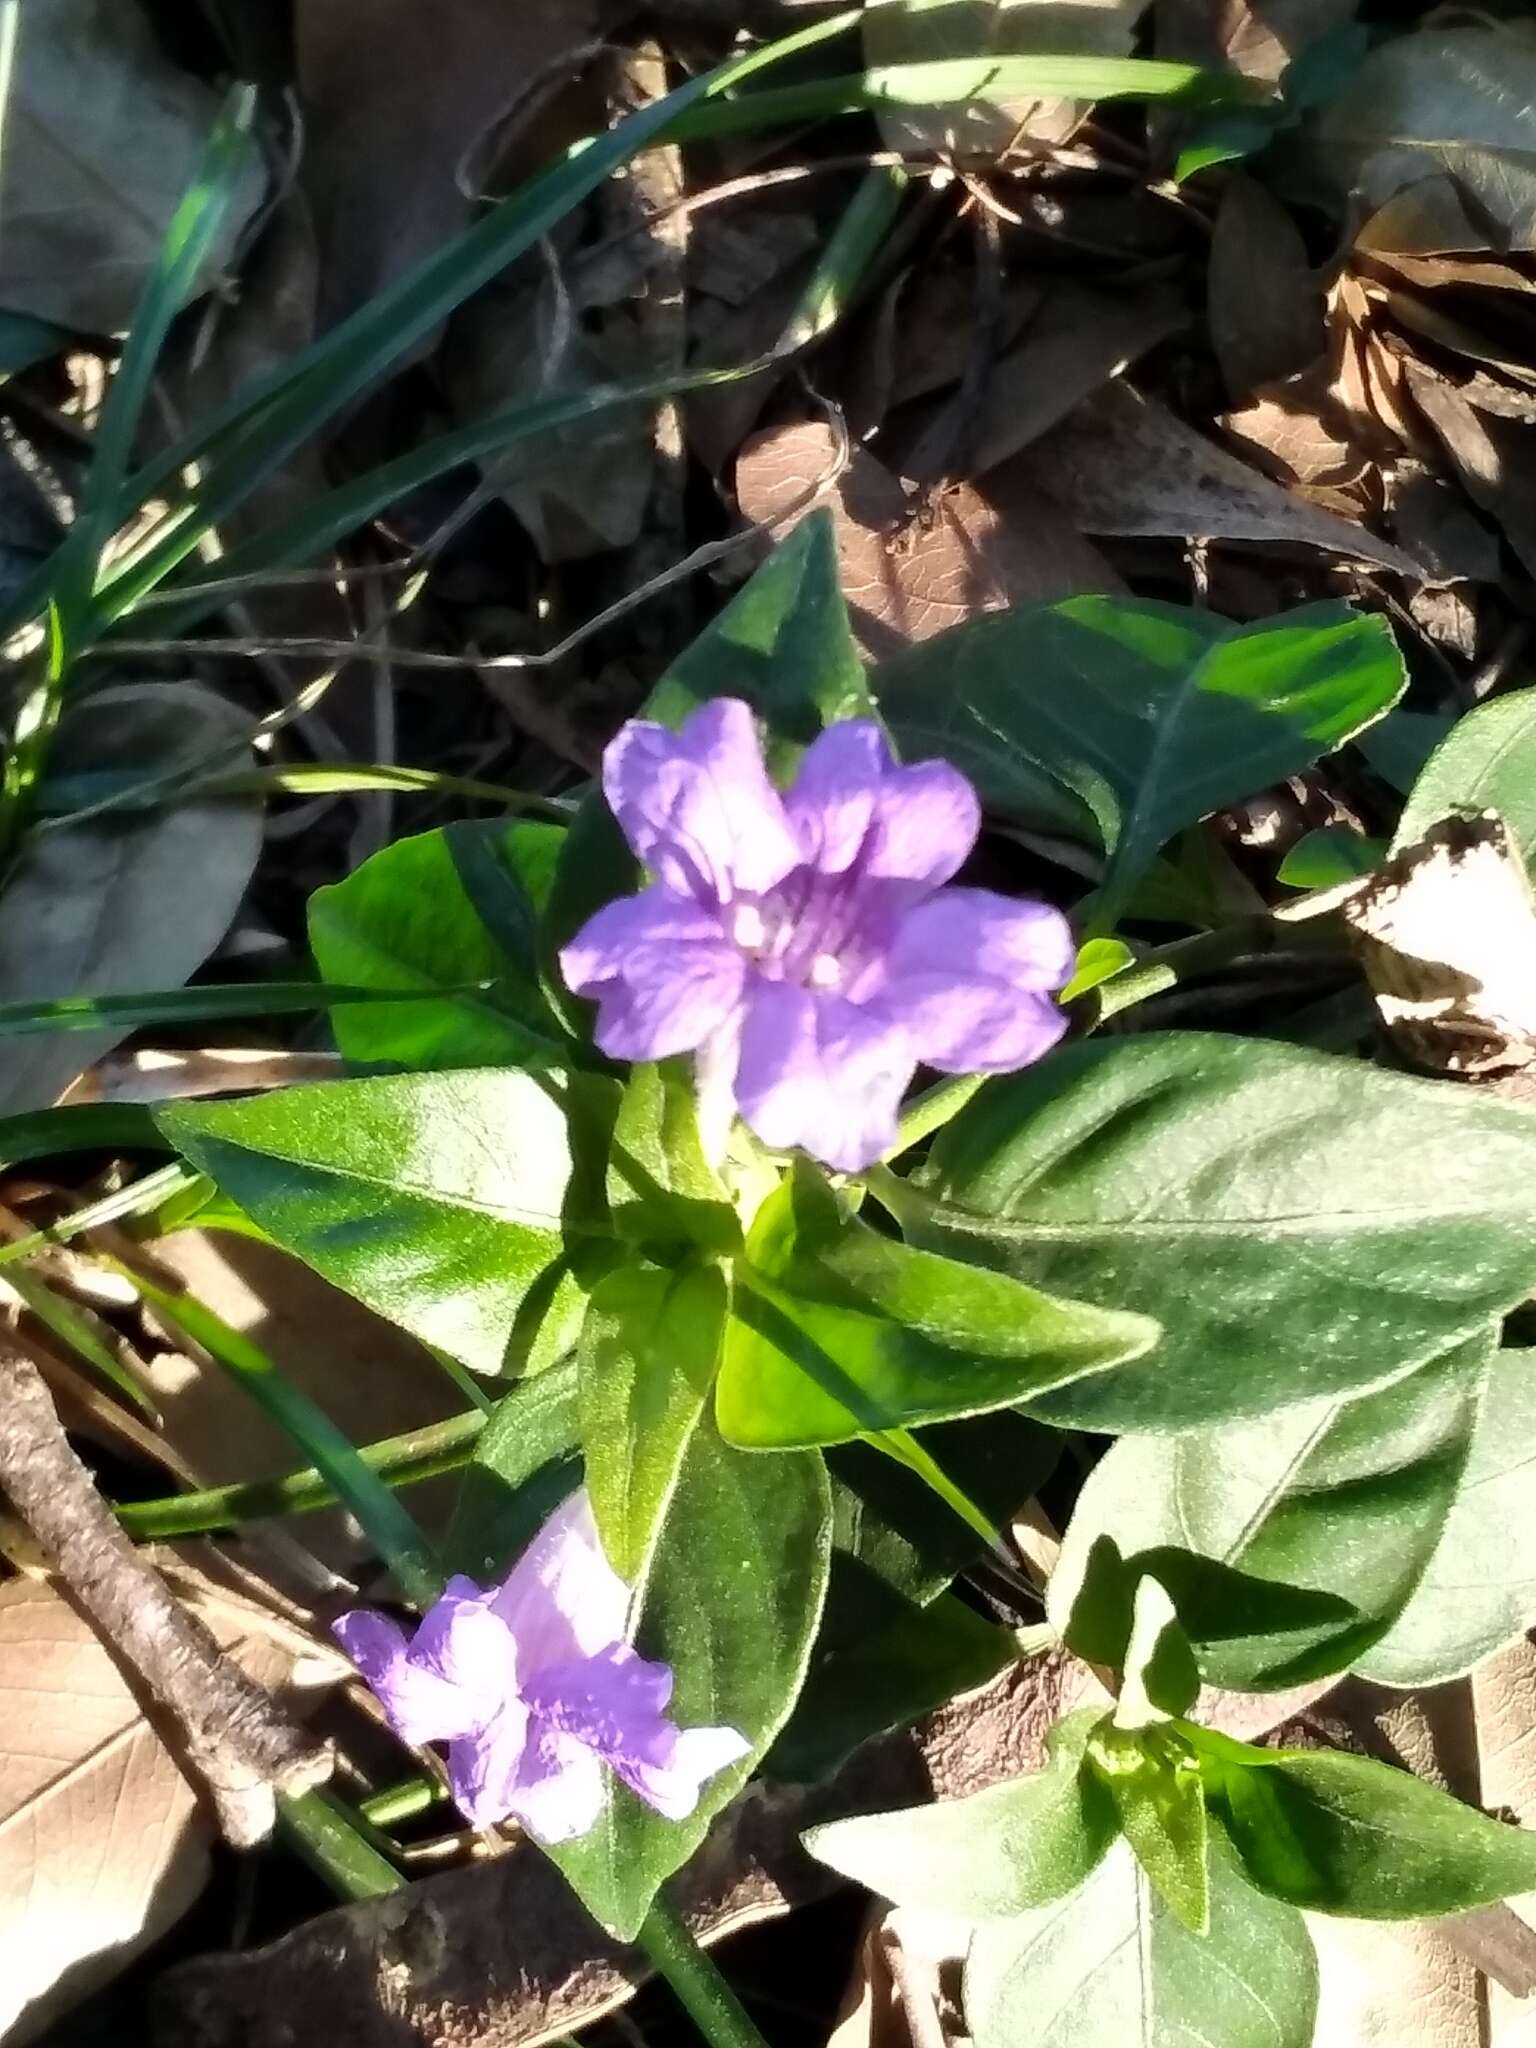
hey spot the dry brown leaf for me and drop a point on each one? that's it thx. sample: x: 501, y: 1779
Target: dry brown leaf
x: 1490, y: 455
x: 937, y: 327
x: 1265, y: 306
x: 1125, y: 464
x: 370, y: 1378
x: 1446, y: 932
x: 103, y: 1844
x: 1076, y: 341
x: 905, y: 1988
x: 1259, y: 38
x: 972, y: 549
x: 103, y: 136
x: 1286, y: 437
x: 394, y: 95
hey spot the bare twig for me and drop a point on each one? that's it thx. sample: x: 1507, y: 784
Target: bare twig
x: 242, y: 1745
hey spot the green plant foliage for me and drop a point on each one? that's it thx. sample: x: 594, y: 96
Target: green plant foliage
x: 1299, y: 1224
x: 994, y: 1854
x: 1159, y: 1801
x: 1486, y: 762
x: 731, y: 1600
x: 836, y: 1331
x: 1121, y: 721
x: 444, y: 912
x: 1112, y: 1960
x: 434, y: 1198
x: 1344, y: 1834
x: 1289, y: 1543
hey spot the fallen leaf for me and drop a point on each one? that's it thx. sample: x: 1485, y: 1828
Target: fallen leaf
x: 1446, y: 931
x: 1123, y: 463
x: 102, y: 138
x: 578, y: 489
x: 1076, y: 342
x: 1449, y: 101
x: 132, y: 899
x: 1490, y: 455
x: 1264, y: 303
x: 1258, y: 38
x: 394, y: 96
x: 905, y: 1989
x: 103, y: 1842
x: 909, y: 572
x: 927, y: 31
x: 370, y: 1378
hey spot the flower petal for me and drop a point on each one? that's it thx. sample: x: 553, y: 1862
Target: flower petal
x: 818, y: 1072
x: 852, y: 805
x: 661, y: 970
x: 559, y: 1791
x: 697, y: 806
x: 562, y: 1600
x: 484, y: 1768
x: 968, y: 977
x: 698, y: 1754
x: 464, y: 1642
x: 420, y: 1705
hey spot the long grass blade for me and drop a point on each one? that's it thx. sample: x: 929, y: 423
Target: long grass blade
x: 209, y: 1004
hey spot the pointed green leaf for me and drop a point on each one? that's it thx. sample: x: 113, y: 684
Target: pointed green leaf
x: 1300, y: 1224
x: 1487, y: 761
x: 649, y: 1347
x: 1111, y: 1962
x: 837, y: 1331
x: 1155, y: 1783
x: 993, y: 1854
x: 434, y: 1198
x: 1345, y: 1834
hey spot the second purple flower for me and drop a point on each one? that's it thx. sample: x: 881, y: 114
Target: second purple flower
x: 805, y: 945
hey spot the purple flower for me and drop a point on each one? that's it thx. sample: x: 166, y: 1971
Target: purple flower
x: 534, y: 1689
x: 804, y: 945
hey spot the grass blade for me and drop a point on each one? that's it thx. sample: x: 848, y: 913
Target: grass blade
x: 216, y: 1001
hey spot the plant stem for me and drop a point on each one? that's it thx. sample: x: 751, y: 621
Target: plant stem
x: 327, y: 1836
x: 703, y: 1993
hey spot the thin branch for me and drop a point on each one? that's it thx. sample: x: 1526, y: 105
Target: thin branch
x: 242, y: 1745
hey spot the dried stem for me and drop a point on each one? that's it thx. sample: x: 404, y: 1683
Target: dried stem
x: 242, y: 1745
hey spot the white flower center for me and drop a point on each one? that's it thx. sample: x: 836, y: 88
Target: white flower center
x: 826, y: 971
x: 748, y: 927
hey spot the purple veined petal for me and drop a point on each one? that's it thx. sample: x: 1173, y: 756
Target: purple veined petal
x: 697, y: 806
x: 854, y: 807
x: 463, y: 1641
x: 1025, y: 944
x: 559, y: 1791
x: 662, y: 972
x: 419, y: 1704
x: 836, y: 793
x: 484, y: 1767
x: 697, y: 1755
x: 614, y: 1702
x: 562, y: 1600
x: 820, y: 1073
x: 968, y: 1025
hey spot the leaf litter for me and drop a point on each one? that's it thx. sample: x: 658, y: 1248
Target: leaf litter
x: 1306, y: 371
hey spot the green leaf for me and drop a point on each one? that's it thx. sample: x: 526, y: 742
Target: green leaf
x: 1344, y: 1502
x: 1398, y: 746
x: 1344, y: 1834
x: 881, y: 1661
x: 1159, y: 1799
x: 1300, y: 1224
x: 1330, y: 855
x: 1122, y: 721
x: 1478, y: 1590
x: 433, y: 1198
x: 731, y: 1602
x: 527, y: 1459
x: 837, y: 1331
x: 1097, y: 962
x: 993, y: 1854
x: 440, y: 912
x: 646, y: 1362
x: 1161, y: 1677
x: 641, y: 1175
x: 1112, y: 1962
x: 1486, y: 762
